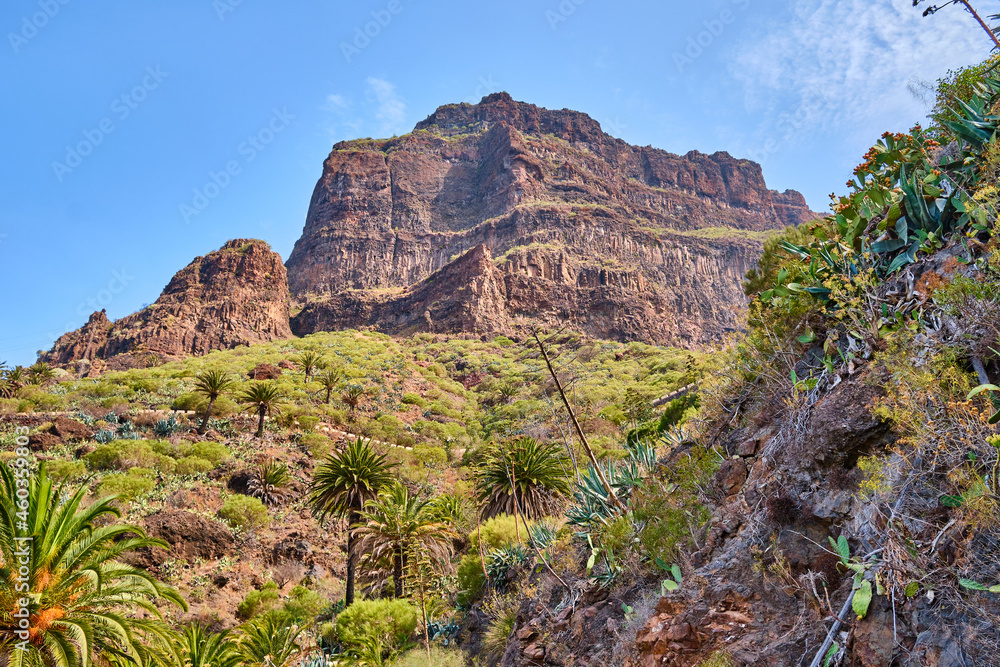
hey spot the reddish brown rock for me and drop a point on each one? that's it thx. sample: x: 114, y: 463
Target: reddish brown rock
x: 731, y: 475
x: 580, y: 228
x: 189, y: 535
x: 234, y: 296
x: 264, y: 372
x: 39, y: 442
x: 70, y: 429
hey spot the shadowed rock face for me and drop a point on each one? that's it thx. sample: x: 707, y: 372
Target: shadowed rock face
x: 578, y: 228
x: 234, y: 296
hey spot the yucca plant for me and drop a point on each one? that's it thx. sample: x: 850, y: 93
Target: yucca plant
x: 270, y: 641
x: 82, y: 599
x: 197, y: 647
x: 211, y: 385
x: 262, y: 399
x: 393, y: 524
x: 342, y: 484
x: 268, y: 482
x: 522, y: 477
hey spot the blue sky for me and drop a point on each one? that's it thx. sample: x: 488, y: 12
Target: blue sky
x: 140, y: 134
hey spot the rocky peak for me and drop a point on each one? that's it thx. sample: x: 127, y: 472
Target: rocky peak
x: 231, y: 297
x: 527, y: 118
x: 575, y: 214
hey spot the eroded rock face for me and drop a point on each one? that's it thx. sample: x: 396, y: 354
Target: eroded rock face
x: 580, y: 227
x: 234, y: 296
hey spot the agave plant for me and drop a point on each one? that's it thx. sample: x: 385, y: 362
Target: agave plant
x: 268, y: 483
x: 591, y: 505
x: 500, y: 562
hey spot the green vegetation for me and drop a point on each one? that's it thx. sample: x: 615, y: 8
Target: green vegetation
x: 244, y: 512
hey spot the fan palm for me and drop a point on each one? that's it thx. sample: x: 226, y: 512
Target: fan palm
x: 393, y: 524
x: 211, y: 384
x: 309, y: 361
x: 331, y: 380
x: 261, y: 398
x: 341, y: 486
x: 197, y: 647
x: 523, y: 476
x: 12, y: 380
x: 81, y: 599
x: 268, y: 641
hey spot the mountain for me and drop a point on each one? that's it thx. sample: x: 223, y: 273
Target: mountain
x: 577, y: 227
x: 232, y: 297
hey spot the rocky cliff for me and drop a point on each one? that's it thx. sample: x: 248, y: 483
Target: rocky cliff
x: 234, y: 296
x: 581, y: 228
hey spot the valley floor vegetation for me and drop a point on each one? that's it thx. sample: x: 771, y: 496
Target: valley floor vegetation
x: 344, y: 498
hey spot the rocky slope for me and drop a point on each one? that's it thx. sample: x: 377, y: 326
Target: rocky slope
x: 234, y: 296
x: 580, y: 228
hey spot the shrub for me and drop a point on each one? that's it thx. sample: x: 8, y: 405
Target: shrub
x: 497, y: 532
x: 390, y: 622
x: 317, y: 444
x: 470, y: 578
x: 189, y: 401
x: 410, y: 398
x: 308, y: 422
x: 127, y: 486
x: 192, y: 465
x: 430, y: 456
x: 440, y: 657
x: 244, y: 512
x: 121, y: 455
x: 304, y: 605
x: 257, y: 601
x: 66, y: 470
x: 212, y: 452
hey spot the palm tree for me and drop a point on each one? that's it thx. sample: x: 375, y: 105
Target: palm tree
x: 268, y: 641
x: 40, y: 372
x: 524, y: 476
x: 395, y: 523
x: 309, y: 361
x: 331, y: 380
x: 12, y: 381
x: 268, y: 482
x: 341, y: 486
x: 197, y: 647
x: 211, y: 384
x: 81, y: 598
x: 352, y: 396
x: 261, y: 398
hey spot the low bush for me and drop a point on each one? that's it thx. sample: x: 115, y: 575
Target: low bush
x: 127, y: 486
x: 244, y: 512
x: 66, y: 471
x: 256, y: 602
x: 192, y: 465
x: 389, y: 622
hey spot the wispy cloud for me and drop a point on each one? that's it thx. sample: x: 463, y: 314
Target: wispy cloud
x: 851, y: 63
x: 390, y: 110
x: 381, y: 112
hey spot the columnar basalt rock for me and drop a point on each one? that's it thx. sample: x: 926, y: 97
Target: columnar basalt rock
x: 580, y: 228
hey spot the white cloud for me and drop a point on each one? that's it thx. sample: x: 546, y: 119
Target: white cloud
x: 336, y: 102
x: 390, y: 110
x: 850, y: 65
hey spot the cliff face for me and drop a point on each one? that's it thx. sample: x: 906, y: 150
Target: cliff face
x: 583, y: 228
x: 231, y: 297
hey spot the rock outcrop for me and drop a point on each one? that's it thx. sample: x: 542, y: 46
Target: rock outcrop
x: 581, y: 228
x: 234, y: 296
